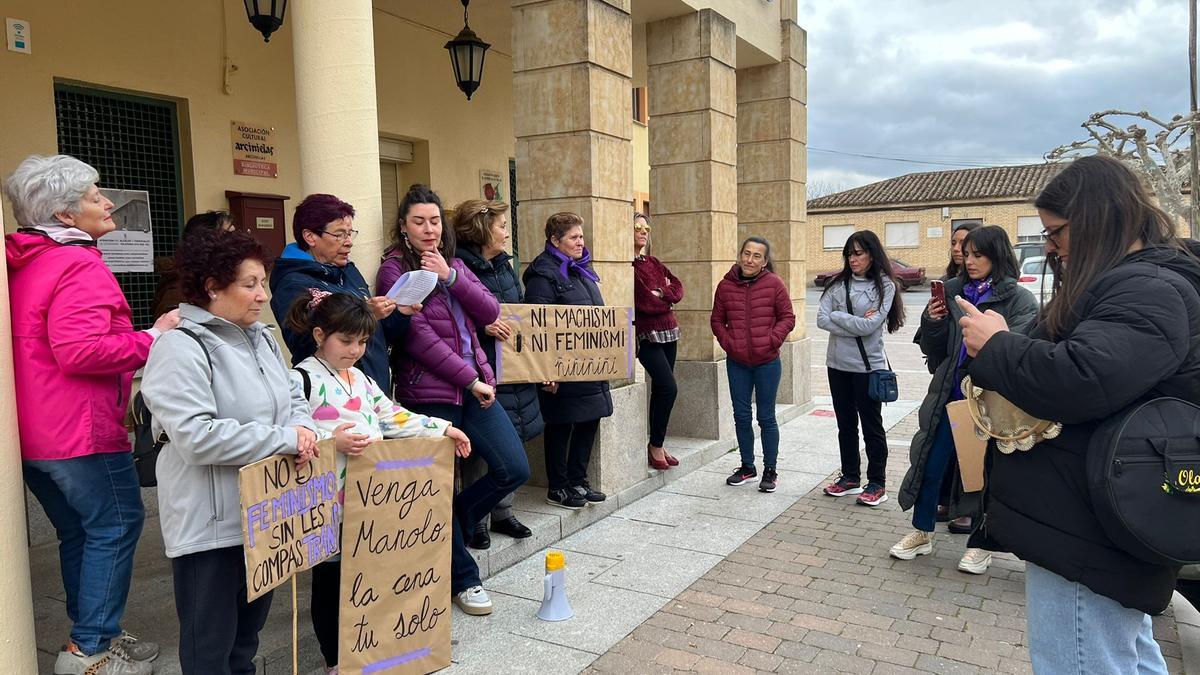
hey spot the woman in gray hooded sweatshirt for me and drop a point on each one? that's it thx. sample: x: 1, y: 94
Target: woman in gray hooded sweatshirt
x: 218, y: 388
x: 856, y: 307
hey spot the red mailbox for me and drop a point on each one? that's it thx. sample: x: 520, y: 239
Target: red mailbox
x: 262, y: 216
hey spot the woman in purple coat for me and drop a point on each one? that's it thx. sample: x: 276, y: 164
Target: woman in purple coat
x: 441, y: 370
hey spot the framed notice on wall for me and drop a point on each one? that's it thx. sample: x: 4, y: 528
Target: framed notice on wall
x: 130, y: 247
x: 491, y: 185
x: 254, y: 150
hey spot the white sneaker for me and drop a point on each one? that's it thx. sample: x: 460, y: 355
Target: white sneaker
x: 112, y: 661
x: 474, y: 601
x: 975, y: 561
x: 913, y: 544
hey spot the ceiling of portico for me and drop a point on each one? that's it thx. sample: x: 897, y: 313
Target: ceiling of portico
x: 492, y: 20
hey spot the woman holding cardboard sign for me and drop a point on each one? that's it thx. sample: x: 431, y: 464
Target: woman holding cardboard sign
x: 481, y: 228
x: 1122, y: 327
x: 562, y: 275
x: 442, y: 371
x: 988, y: 280
x: 219, y: 390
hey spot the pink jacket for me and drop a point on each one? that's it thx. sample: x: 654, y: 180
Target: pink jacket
x: 74, y: 349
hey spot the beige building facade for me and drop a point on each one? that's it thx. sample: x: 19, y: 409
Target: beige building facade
x: 361, y: 102
x: 914, y: 215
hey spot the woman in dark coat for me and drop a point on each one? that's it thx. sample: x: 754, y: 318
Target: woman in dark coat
x: 481, y: 228
x: 1122, y: 327
x: 562, y: 275
x: 989, y: 281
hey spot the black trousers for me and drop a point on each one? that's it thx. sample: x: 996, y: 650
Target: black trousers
x: 326, y: 583
x: 568, y: 451
x: 218, y: 629
x: 851, y: 404
x: 658, y: 358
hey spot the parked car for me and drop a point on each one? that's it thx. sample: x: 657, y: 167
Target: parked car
x: 1028, y: 249
x: 1037, y: 278
x: 907, y: 275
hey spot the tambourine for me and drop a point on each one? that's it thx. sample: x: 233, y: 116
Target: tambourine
x: 997, y: 418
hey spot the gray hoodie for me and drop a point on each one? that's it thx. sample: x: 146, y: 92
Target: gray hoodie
x: 216, y: 423
x: 843, y: 353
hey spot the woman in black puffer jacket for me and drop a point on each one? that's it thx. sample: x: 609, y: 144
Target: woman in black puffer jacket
x: 481, y: 229
x: 562, y: 275
x: 1123, y: 327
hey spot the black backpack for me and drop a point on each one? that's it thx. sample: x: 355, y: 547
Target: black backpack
x: 145, y: 446
x: 1144, y: 479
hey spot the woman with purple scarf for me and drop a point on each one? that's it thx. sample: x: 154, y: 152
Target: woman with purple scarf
x: 988, y: 280
x: 562, y: 275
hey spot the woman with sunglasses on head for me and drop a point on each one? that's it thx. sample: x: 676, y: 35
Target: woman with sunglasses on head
x: 1123, y: 326
x: 655, y: 293
x: 856, y: 307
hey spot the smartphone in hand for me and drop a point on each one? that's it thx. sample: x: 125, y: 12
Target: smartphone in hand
x: 937, y: 291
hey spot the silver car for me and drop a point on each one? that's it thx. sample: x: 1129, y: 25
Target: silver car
x: 1037, y: 278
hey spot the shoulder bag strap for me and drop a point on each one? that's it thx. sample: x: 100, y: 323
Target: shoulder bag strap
x: 850, y: 310
x: 306, y: 380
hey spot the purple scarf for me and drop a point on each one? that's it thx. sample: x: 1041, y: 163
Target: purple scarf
x: 566, y: 263
x: 974, y: 292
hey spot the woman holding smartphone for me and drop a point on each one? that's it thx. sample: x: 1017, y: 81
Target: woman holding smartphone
x: 989, y: 282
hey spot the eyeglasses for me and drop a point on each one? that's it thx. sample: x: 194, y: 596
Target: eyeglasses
x: 341, y: 236
x: 642, y: 228
x: 1052, y: 235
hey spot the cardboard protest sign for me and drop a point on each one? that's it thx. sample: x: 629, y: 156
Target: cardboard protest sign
x: 290, y: 517
x: 565, y: 343
x: 395, y: 596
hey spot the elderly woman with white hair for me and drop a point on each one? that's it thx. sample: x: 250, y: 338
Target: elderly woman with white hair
x: 75, y: 351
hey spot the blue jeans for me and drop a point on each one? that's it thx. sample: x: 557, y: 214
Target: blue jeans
x: 495, y: 441
x: 941, y: 453
x: 763, y: 382
x: 95, y: 504
x: 1073, y: 630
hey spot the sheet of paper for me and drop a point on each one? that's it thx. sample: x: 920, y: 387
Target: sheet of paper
x: 413, y: 287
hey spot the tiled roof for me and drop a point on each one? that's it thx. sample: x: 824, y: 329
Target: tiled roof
x: 997, y: 182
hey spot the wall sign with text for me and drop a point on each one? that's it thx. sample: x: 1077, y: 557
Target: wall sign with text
x: 254, y: 150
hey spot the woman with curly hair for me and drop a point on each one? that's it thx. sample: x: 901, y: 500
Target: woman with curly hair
x: 219, y: 390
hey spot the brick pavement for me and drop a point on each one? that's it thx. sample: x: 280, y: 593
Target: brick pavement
x: 816, y: 592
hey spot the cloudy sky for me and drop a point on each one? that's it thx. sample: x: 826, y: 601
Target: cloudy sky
x: 978, y: 83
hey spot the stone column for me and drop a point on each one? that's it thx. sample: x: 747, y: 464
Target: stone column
x: 772, y: 134
x: 693, y: 187
x: 18, y: 646
x: 572, y: 64
x: 333, y: 51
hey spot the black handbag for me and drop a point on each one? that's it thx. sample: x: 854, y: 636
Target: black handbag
x: 881, y: 384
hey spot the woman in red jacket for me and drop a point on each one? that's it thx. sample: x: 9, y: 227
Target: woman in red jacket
x: 751, y: 317
x: 655, y: 292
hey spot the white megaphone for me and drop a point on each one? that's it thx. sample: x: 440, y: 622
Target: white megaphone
x: 554, y: 604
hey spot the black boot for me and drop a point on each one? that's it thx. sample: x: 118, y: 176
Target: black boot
x: 480, y: 540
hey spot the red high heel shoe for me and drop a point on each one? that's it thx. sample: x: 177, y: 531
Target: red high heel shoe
x: 670, y: 458
x: 660, y: 464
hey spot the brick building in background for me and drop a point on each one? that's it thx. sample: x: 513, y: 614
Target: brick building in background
x: 914, y: 214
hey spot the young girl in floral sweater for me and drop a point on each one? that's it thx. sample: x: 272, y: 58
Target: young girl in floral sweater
x: 352, y: 409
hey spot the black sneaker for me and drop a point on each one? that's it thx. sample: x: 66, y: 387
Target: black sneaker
x: 742, y: 475
x: 480, y: 540
x: 769, y: 479
x: 566, y: 498
x: 593, y: 496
